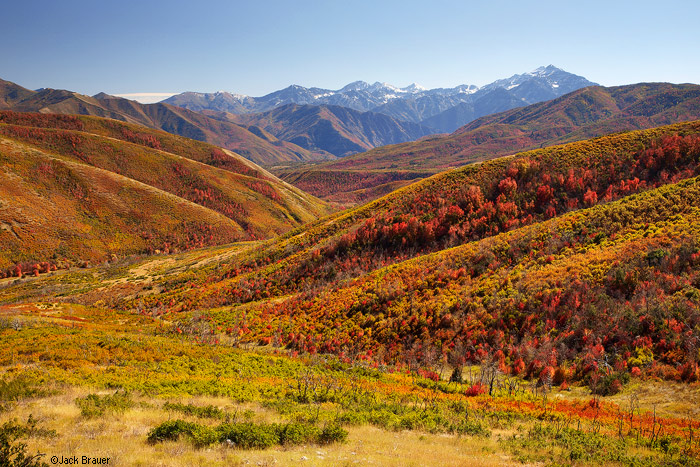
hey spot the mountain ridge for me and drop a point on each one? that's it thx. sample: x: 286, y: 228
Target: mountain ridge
x: 541, y: 84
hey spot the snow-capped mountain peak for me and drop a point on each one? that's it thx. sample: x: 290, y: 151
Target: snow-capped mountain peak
x: 377, y: 86
x: 549, y: 76
x: 544, y: 71
x: 414, y: 88
x: 354, y: 86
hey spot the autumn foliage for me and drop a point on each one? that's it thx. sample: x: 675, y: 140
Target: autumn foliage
x: 545, y: 259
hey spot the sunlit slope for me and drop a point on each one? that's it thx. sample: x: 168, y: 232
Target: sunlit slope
x: 257, y: 204
x: 620, y: 280
x: 57, y: 211
x: 147, y: 143
x: 453, y: 208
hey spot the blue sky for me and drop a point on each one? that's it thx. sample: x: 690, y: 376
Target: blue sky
x: 256, y: 47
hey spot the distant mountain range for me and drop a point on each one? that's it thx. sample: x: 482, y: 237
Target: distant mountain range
x: 443, y: 109
x: 300, y: 124
x: 582, y: 114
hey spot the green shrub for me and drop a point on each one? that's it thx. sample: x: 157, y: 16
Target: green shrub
x: 250, y: 435
x: 610, y: 384
x: 94, y: 405
x: 352, y: 418
x: 203, y: 436
x: 172, y: 430
x: 332, y: 434
x: 13, y: 453
x: 247, y: 435
x: 16, y: 389
x: 299, y: 433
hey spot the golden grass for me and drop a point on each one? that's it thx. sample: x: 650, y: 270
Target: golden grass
x: 122, y: 438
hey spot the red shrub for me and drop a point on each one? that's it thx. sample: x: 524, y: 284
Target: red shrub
x: 475, y: 390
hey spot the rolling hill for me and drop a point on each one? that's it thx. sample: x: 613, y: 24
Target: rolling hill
x: 11, y: 93
x: 165, y: 117
x: 84, y: 188
x: 582, y: 114
x: 617, y: 282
